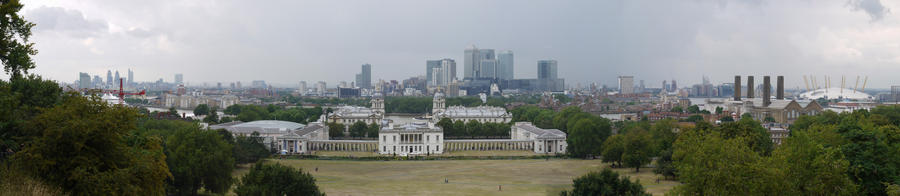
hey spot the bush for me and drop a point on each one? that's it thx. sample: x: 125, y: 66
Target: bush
x: 277, y: 179
x: 605, y: 182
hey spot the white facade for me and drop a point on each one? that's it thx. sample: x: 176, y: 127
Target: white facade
x: 411, y: 139
x: 348, y: 115
x: 481, y: 114
x: 545, y: 140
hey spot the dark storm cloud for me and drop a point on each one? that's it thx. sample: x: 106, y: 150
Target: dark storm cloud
x: 872, y: 7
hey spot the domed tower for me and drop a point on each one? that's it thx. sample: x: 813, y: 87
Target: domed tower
x: 378, y: 103
x: 438, y: 104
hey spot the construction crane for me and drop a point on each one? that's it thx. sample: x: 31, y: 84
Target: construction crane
x: 121, y: 92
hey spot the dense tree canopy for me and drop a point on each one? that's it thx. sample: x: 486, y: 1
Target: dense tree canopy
x: 605, y: 182
x: 247, y: 113
x: 85, y: 147
x: 274, y: 179
x: 201, y: 110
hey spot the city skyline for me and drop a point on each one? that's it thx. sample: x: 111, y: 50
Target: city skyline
x: 652, y: 41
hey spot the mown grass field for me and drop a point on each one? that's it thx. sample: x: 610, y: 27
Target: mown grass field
x: 465, y: 177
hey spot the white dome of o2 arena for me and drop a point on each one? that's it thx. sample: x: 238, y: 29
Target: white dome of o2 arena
x: 837, y: 93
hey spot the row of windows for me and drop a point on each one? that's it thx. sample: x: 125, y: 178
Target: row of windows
x: 413, y: 148
x: 412, y: 137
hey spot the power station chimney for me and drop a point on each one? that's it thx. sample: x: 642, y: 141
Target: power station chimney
x: 737, y: 88
x: 779, y: 90
x: 767, y: 90
x: 749, y: 87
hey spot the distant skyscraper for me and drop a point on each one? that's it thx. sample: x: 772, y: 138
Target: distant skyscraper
x: 320, y: 87
x: 437, y: 78
x: 626, y: 84
x: 429, y: 65
x: 239, y: 85
x: 84, y: 80
x: 130, y: 77
x: 449, y: 71
x: 302, y: 88
x: 472, y: 63
x: 505, y: 65
x: 895, y: 92
x: 109, y: 79
x: 179, y: 79
x: 665, y: 87
x: 364, y: 79
x: 116, y: 80
x: 488, y: 63
x: 488, y: 68
x: 547, y: 69
x: 98, y: 82
x: 674, y: 86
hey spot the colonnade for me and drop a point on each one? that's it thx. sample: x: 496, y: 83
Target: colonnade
x: 339, y: 145
x: 481, y: 145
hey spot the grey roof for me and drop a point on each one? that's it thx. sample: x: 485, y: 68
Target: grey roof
x: 412, y: 127
x: 261, y: 126
x: 309, y: 129
x: 542, y: 133
x: 473, y: 112
x: 354, y: 112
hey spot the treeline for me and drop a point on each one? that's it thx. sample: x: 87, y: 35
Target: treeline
x: 473, y: 128
x: 855, y: 153
x: 356, y: 130
x: 247, y: 113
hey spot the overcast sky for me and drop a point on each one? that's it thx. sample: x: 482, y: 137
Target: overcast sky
x: 284, y: 42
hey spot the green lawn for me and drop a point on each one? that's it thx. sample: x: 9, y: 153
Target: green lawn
x: 466, y: 177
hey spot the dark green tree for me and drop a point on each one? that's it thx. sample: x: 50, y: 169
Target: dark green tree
x: 638, y: 149
x: 277, y: 180
x: 336, y: 130
x: 201, y: 110
x: 613, y: 148
x: 85, y: 147
x: 693, y: 109
x: 372, y: 130
x: 212, y: 118
x: 358, y: 129
x: 586, y: 137
x: 198, y: 159
x: 15, y: 48
x: 249, y: 149
x: 605, y: 182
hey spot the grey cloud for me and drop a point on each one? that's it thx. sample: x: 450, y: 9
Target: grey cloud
x: 874, y: 8
x: 72, y: 22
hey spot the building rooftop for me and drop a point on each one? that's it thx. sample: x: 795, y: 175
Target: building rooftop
x: 261, y: 126
x: 480, y: 111
x: 541, y: 133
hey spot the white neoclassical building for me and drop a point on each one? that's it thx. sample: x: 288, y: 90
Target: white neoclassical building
x: 411, y: 139
x: 481, y: 114
x: 545, y: 140
x: 284, y: 136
